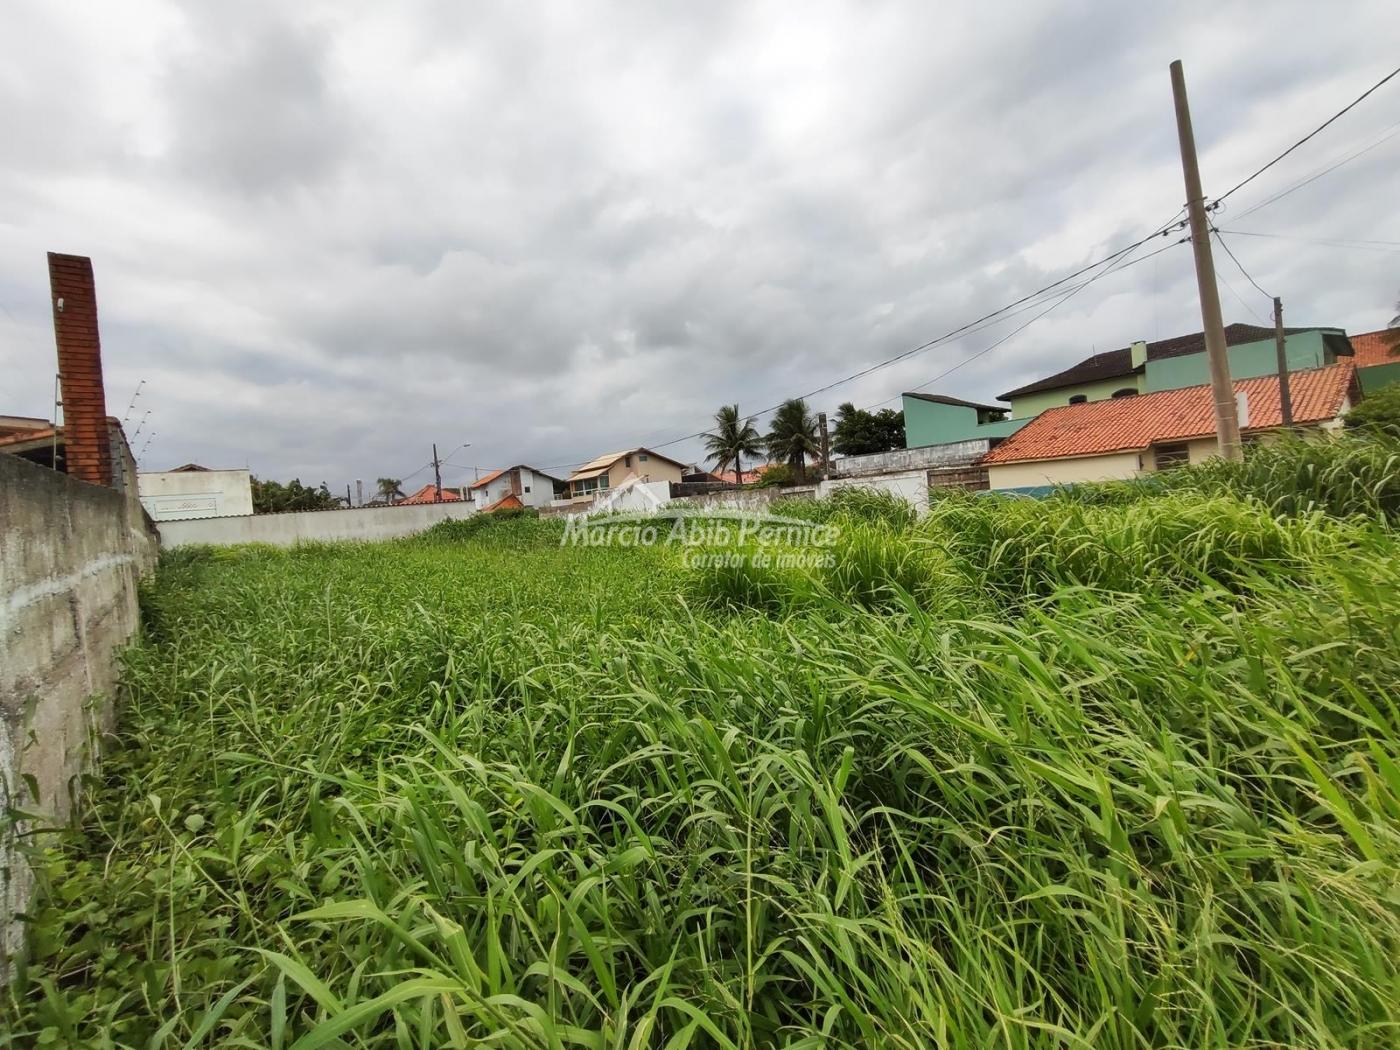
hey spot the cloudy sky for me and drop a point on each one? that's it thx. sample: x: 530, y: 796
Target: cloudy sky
x: 327, y: 235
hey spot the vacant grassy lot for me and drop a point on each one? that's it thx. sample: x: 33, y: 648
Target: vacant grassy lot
x: 1113, y: 769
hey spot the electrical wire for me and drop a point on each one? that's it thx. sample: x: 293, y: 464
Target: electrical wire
x: 1335, y: 116
x: 1239, y: 298
x: 1164, y: 229
x: 1070, y: 294
x: 1240, y: 266
x: 1394, y: 130
x: 1392, y: 247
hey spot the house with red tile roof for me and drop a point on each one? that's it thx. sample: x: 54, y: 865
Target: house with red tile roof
x: 1377, y: 359
x: 1170, y: 364
x: 533, y: 488
x: 1124, y: 437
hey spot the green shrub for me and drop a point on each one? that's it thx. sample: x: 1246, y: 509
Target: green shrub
x: 1378, y: 413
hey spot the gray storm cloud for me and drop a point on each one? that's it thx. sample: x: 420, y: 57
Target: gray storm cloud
x: 329, y: 235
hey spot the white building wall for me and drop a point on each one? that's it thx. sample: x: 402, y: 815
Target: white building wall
x: 540, y: 495
x: 365, y: 524
x: 911, y: 486
x: 169, y: 494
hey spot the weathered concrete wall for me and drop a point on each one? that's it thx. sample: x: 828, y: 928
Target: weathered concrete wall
x: 744, y: 499
x: 974, y: 479
x: 954, y: 454
x: 70, y: 557
x: 284, y: 530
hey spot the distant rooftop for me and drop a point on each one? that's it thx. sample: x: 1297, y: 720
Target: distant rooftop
x: 944, y: 399
x: 1111, y: 364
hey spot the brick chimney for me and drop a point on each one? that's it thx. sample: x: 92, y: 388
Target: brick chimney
x: 87, y: 445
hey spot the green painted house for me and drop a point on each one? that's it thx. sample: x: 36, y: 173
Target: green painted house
x: 1174, y: 364
x: 1147, y: 368
x: 936, y: 419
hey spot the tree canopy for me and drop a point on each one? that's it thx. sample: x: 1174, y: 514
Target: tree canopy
x: 274, y: 497
x: 859, y: 433
x: 733, y: 438
x: 792, y: 436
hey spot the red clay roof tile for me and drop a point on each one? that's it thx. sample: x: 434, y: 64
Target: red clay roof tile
x: 425, y: 495
x: 1127, y: 424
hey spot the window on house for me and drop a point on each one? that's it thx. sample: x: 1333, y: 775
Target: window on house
x: 626, y: 461
x: 643, y: 457
x: 527, y: 488
x: 1169, y: 456
x: 1127, y: 391
x: 1078, y: 399
x: 603, y: 482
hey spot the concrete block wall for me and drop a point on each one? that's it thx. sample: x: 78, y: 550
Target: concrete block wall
x: 953, y: 454
x: 312, y: 526
x: 71, y: 554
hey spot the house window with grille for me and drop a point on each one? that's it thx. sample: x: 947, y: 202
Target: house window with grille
x: 1169, y: 456
x: 1078, y: 399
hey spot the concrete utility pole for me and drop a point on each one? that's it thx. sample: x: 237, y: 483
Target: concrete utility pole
x: 1285, y: 396
x: 826, y: 446
x: 437, y: 476
x: 1227, y: 426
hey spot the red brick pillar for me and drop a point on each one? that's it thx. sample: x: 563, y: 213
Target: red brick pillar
x: 87, y: 446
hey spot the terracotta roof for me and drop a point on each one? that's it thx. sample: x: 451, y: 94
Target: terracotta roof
x: 519, y: 466
x: 1129, y: 424
x: 509, y: 501
x: 1377, y: 348
x: 944, y: 399
x: 425, y: 495
x: 488, y: 478
x: 1113, y: 363
x: 748, y: 478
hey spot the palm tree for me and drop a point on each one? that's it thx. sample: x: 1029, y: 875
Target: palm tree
x: 389, y: 488
x: 793, y: 436
x: 733, y: 438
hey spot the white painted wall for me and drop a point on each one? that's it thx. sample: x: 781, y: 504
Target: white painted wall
x: 312, y: 526
x: 540, y: 495
x: 634, y: 496
x: 169, y: 494
x: 1113, y: 467
x: 911, y: 486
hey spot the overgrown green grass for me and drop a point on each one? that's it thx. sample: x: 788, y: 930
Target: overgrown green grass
x: 1015, y: 774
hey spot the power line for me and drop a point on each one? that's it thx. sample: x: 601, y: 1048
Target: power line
x: 1240, y: 266
x: 1239, y: 298
x: 1162, y: 230
x: 1070, y: 294
x: 1393, y: 131
x: 1336, y: 242
x: 1335, y: 116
